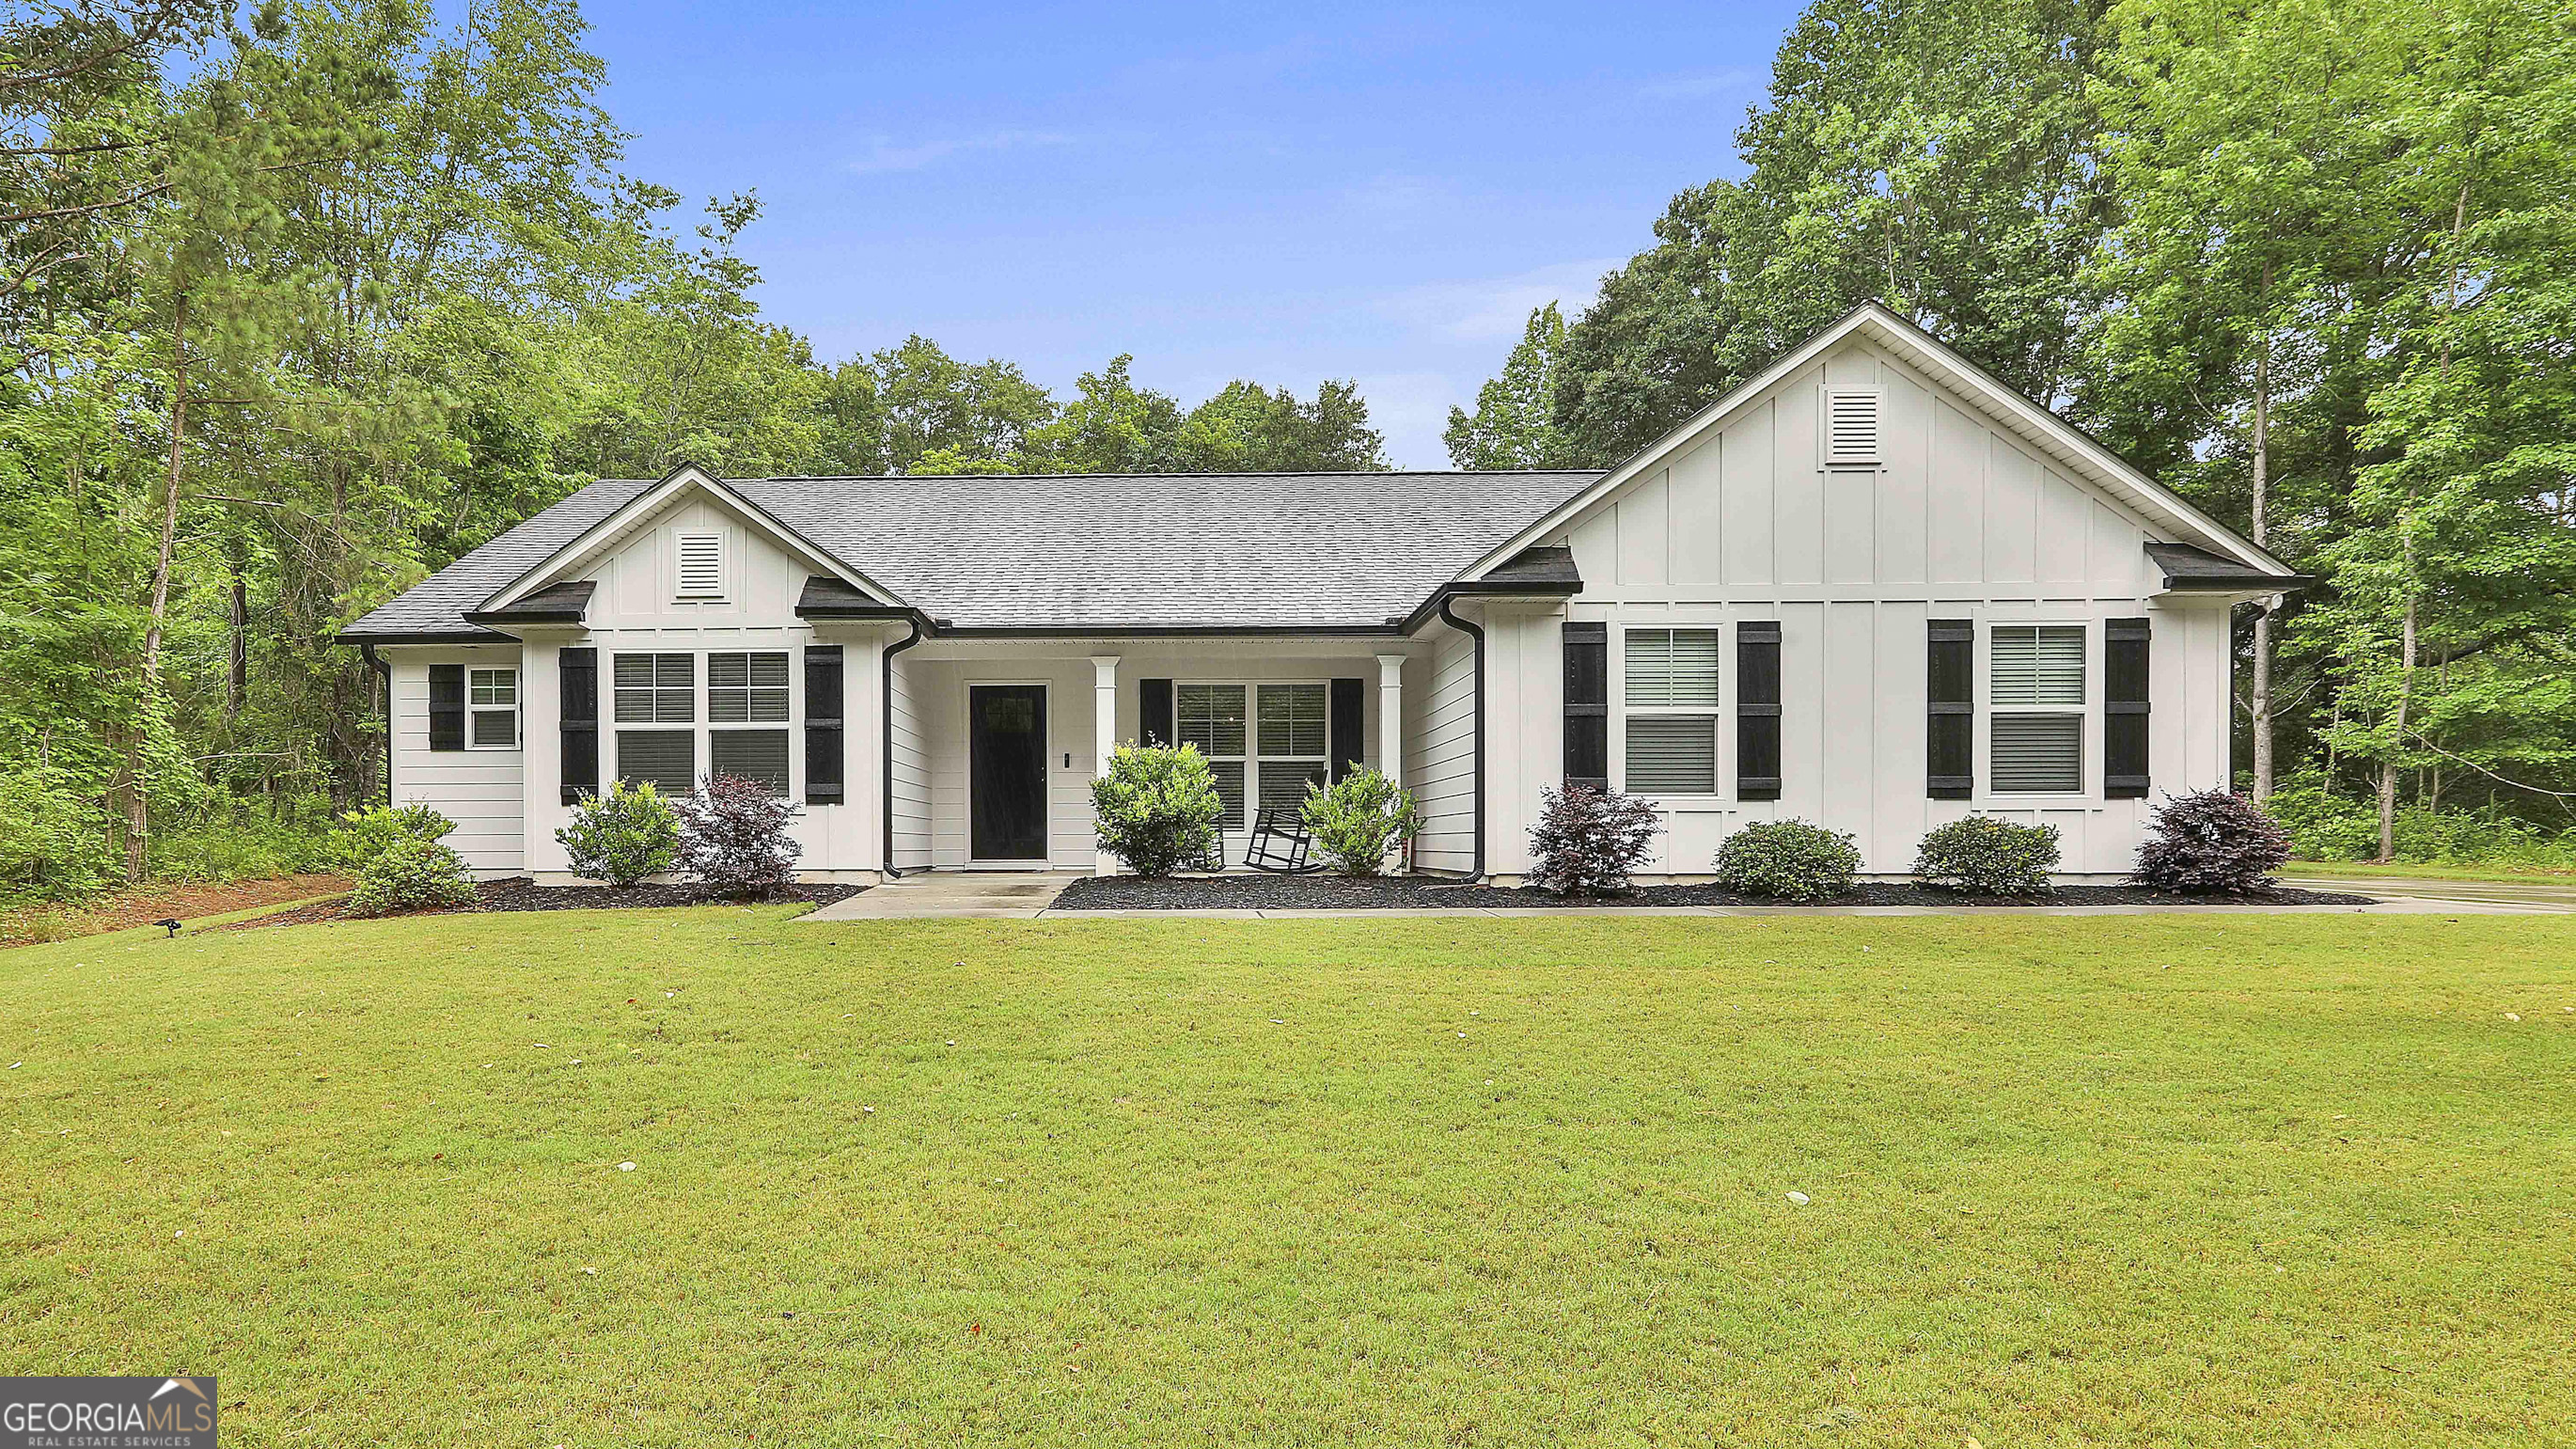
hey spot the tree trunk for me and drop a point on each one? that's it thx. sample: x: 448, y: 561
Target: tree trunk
x: 2262, y: 539
x: 138, y: 830
x: 2405, y: 697
x: 237, y: 683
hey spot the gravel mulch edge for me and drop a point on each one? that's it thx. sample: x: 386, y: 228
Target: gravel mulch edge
x: 519, y: 893
x: 1288, y: 893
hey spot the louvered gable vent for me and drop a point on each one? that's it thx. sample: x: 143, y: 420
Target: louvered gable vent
x: 701, y: 565
x: 1852, y: 427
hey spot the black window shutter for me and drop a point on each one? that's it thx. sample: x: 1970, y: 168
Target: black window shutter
x: 577, y: 674
x: 823, y: 768
x: 1587, y: 704
x: 447, y: 706
x: 1950, y: 725
x: 1350, y: 709
x: 1757, y: 711
x: 2124, y: 709
x: 1154, y: 711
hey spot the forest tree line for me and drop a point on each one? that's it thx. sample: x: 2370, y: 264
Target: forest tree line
x: 303, y: 302
x: 2312, y: 263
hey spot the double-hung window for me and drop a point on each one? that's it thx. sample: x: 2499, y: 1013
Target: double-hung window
x: 2035, y: 720
x: 748, y: 690
x: 492, y: 708
x: 1210, y: 716
x: 657, y: 690
x: 1670, y: 713
x: 1294, y: 741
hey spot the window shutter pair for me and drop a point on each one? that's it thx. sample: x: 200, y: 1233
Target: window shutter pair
x: 1757, y: 707
x: 1587, y: 704
x: 577, y: 674
x: 1951, y: 693
x: 825, y: 773
x: 447, y: 707
x: 2124, y: 709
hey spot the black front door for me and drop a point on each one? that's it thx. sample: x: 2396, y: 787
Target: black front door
x: 1006, y: 749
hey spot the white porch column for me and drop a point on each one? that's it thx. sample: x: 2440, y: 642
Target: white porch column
x: 1390, y: 717
x: 1104, y: 734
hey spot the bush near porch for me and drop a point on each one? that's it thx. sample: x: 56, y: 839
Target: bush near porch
x: 2215, y: 1181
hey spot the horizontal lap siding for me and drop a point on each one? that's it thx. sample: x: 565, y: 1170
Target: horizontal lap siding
x: 911, y: 804
x: 481, y: 790
x: 1439, y: 746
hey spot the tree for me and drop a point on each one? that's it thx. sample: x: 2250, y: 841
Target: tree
x: 1514, y: 424
x: 1933, y: 155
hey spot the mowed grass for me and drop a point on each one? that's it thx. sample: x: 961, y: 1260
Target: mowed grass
x: 2169, y: 1180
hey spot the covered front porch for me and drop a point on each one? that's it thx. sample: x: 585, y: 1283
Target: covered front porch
x: 993, y: 743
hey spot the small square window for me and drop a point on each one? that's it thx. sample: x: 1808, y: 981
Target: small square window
x: 492, y: 709
x: 657, y: 688
x: 747, y: 689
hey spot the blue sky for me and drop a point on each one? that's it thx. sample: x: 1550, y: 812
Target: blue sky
x: 1285, y: 194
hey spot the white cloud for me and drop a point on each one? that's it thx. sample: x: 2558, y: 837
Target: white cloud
x: 884, y: 155
x: 1495, y: 309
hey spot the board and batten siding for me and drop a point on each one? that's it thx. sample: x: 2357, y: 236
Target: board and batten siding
x: 481, y: 790
x: 1960, y: 520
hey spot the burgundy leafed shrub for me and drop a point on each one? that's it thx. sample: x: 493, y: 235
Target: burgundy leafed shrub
x: 1588, y: 842
x: 733, y: 836
x: 2210, y: 843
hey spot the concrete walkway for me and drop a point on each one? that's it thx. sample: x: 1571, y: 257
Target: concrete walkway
x: 956, y: 894
x: 1027, y: 895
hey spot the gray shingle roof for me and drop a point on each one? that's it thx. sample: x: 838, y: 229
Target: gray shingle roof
x: 1085, y: 551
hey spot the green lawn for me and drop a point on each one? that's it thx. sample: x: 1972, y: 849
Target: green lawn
x: 2169, y: 1180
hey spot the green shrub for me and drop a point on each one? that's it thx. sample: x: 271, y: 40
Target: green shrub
x: 54, y: 844
x: 1790, y: 859
x: 1357, y: 819
x: 411, y: 875
x: 623, y: 836
x: 2327, y: 826
x: 365, y: 834
x: 1157, y: 808
x: 1985, y: 856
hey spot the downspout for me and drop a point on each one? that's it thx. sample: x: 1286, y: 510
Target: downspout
x: 885, y: 734
x: 384, y: 667
x: 1476, y: 864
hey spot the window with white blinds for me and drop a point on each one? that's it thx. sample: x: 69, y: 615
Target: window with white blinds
x: 1210, y: 716
x: 701, y: 565
x: 657, y: 688
x: 747, y: 688
x: 492, y: 701
x: 2035, y: 723
x: 1669, y: 721
x: 1293, y: 737
x: 759, y: 755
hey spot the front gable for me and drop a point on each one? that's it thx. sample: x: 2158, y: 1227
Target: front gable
x: 689, y: 551
x: 1972, y: 489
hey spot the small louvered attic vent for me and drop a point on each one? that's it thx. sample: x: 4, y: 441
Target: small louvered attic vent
x: 1852, y: 427
x: 702, y: 565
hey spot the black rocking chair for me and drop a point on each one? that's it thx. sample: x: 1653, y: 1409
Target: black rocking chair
x: 1280, y: 843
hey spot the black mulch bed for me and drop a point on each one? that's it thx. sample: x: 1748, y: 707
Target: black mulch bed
x: 1342, y: 893
x: 519, y: 893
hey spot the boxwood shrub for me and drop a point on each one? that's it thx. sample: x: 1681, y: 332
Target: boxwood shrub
x: 1793, y: 860
x: 1981, y: 855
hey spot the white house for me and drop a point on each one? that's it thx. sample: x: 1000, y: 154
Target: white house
x: 1870, y: 588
